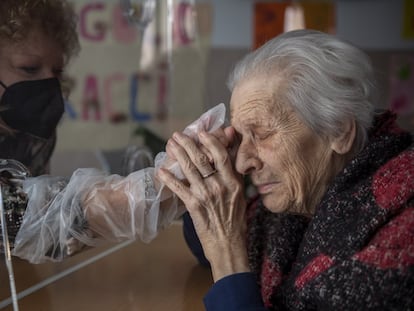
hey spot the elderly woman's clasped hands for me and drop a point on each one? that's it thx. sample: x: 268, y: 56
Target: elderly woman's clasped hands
x: 213, y: 193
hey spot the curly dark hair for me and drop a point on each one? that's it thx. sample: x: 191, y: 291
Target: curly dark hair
x: 56, y: 18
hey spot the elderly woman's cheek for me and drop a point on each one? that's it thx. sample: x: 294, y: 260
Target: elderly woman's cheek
x: 298, y: 182
x: 295, y: 173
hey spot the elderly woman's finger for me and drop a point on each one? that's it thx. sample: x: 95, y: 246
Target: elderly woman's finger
x: 225, y: 136
x: 188, y: 168
x: 199, y: 159
x: 220, y: 134
x: 175, y: 185
x: 222, y: 159
x: 168, y: 150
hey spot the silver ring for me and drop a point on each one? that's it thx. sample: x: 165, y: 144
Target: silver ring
x: 209, y: 174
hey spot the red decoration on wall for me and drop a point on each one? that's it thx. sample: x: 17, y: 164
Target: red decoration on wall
x: 268, y: 21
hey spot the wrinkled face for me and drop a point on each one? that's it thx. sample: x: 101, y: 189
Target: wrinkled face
x: 35, y: 58
x: 287, y: 162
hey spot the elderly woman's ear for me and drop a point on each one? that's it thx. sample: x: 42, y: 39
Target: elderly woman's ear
x: 343, y: 143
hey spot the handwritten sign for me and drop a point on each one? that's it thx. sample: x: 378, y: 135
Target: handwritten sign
x: 120, y: 78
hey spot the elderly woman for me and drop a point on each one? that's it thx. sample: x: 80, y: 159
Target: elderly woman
x: 332, y: 226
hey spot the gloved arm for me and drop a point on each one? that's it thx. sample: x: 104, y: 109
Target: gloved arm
x: 92, y: 207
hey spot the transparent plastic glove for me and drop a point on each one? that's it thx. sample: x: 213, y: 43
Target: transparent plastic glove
x: 208, y: 122
x: 91, y: 207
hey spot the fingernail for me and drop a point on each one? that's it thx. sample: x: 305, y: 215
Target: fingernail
x: 176, y: 136
x: 171, y: 143
x: 161, y: 172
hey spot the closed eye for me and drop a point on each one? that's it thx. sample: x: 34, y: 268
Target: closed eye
x: 30, y: 69
x: 261, y: 135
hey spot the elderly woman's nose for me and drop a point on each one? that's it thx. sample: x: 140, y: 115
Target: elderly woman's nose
x: 246, y: 159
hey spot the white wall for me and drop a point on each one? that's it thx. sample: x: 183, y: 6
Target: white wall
x: 372, y: 24
x: 232, y: 23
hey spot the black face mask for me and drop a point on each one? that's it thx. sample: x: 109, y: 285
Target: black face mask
x: 33, y: 106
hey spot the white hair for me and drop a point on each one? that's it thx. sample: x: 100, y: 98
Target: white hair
x: 326, y: 81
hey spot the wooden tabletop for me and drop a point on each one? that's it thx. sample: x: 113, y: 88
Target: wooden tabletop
x: 161, y: 275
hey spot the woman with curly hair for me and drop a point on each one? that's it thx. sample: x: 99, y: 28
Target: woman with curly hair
x: 37, y: 40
